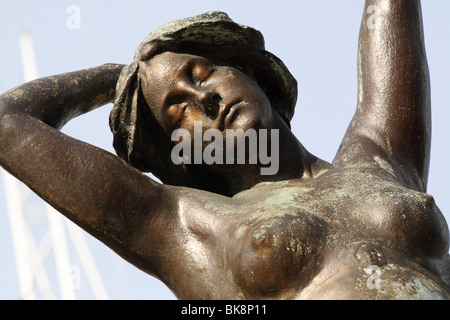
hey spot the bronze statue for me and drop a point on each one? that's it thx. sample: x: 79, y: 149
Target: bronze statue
x: 360, y: 227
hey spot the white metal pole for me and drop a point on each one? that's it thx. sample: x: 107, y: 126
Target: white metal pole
x: 30, y: 258
x: 38, y: 267
x: 55, y: 220
x: 61, y: 253
x: 87, y: 261
x: 28, y: 58
x: 19, y: 236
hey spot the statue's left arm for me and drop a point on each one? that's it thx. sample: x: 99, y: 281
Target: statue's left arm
x: 392, y: 121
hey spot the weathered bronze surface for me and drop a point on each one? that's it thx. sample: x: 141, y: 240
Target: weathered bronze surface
x: 360, y: 227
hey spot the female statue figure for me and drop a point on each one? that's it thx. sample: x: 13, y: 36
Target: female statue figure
x: 312, y: 230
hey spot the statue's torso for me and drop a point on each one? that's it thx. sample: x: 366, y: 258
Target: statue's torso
x: 347, y: 234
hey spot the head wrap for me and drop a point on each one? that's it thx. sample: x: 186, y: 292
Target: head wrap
x: 214, y: 35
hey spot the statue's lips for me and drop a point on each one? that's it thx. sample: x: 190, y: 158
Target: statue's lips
x: 232, y: 114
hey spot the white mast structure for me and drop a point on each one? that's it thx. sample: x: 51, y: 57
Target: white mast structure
x: 31, y: 258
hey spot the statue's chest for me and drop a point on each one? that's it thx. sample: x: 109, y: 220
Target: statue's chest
x: 283, y: 236
x: 275, y: 245
x: 268, y: 258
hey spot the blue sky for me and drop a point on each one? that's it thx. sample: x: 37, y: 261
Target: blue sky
x: 317, y: 40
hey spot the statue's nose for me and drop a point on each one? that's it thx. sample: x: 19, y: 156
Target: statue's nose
x: 210, y: 102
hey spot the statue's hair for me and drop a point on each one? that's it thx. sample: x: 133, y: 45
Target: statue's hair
x: 213, y: 35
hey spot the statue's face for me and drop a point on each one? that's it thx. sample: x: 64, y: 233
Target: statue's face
x: 181, y: 89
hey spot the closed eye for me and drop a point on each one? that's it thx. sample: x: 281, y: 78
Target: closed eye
x: 175, y: 99
x: 201, y: 72
x: 174, y: 114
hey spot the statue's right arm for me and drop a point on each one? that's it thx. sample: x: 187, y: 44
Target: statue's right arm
x: 104, y: 195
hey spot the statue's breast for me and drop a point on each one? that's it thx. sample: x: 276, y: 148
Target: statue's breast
x: 275, y: 248
x: 409, y: 220
x: 360, y: 204
x: 275, y: 259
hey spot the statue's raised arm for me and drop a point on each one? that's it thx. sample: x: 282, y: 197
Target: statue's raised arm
x: 392, y: 120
